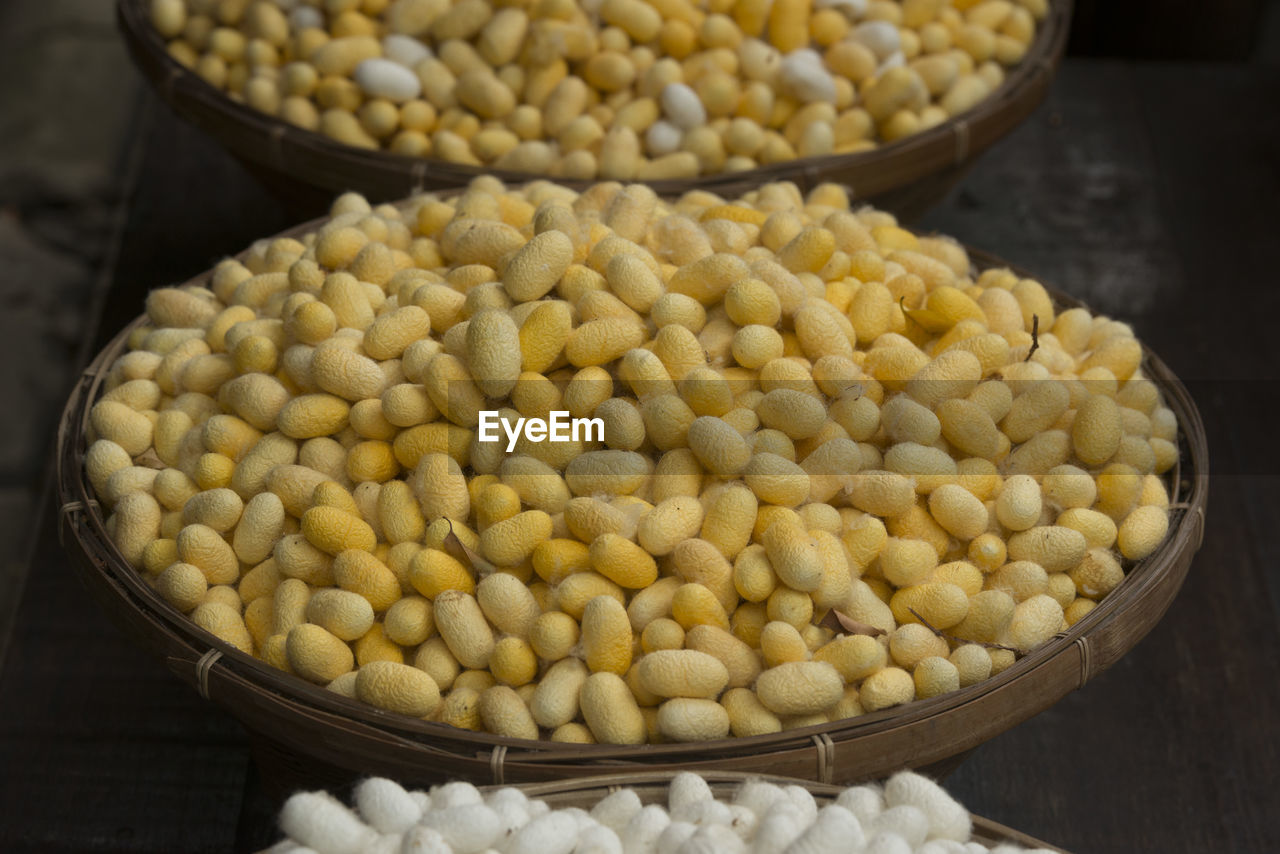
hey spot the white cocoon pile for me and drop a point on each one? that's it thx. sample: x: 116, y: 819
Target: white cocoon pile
x: 909, y: 815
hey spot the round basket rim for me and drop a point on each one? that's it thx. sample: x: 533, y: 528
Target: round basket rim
x: 317, y: 160
x: 81, y: 514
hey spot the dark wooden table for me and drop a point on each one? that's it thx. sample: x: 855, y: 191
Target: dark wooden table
x: 1151, y: 191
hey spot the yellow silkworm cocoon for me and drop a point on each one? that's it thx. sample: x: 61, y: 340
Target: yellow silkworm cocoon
x: 432, y: 572
x: 739, y: 659
x: 182, y: 585
x: 747, y: 715
x: 1142, y: 531
x: 1021, y: 579
x: 409, y: 621
x: 346, y: 615
x: 573, y: 594
x: 606, y: 635
x: 610, y: 710
x: 1097, y: 574
x: 1054, y: 547
x: 555, y: 701
x: 361, y: 573
x: 960, y: 512
x: 503, y: 713
x: 317, y: 655
x: 882, y: 493
x: 198, y: 545
x: 694, y: 604
x: 333, y: 531
x: 1034, y: 622
x: 781, y: 642
x: 1096, y: 431
x: 508, y: 604
x: 691, y: 720
x: 397, y: 688
x: 854, y: 657
x: 462, y: 625
x: 907, y: 562
x: 682, y: 673
x: 512, y: 541
x: 935, y: 675
x: 1019, y: 504
x: 661, y: 529
x: 1099, y: 529
x: 799, y: 688
x: 513, y: 662
x: 940, y: 604
x: 912, y: 643
x: 1068, y: 487
x: 793, y: 554
x: 553, y: 635
x: 223, y: 622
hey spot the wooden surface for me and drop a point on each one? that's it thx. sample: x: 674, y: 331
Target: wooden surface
x: 1121, y: 190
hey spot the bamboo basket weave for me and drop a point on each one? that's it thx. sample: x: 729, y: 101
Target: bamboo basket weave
x: 651, y: 787
x: 905, y: 177
x: 305, y: 735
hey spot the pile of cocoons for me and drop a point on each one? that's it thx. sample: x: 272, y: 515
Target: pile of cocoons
x: 834, y: 468
x: 617, y: 89
x: 910, y: 813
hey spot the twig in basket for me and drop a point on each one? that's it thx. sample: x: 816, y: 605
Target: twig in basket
x: 1035, y: 337
x: 954, y: 639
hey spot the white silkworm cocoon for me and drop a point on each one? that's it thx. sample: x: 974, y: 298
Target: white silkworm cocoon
x: 598, y: 839
x: 662, y: 137
x: 686, y: 790
x: 386, y: 806
x: 743, y: 821
x: 384, y: 78
x: 682, y: 106
x: 511, y: 816
x: 880, y: 37
x: 911, y: 814
x: 887, y: 843
x: 779, y: 827
x: 804, y: 802
x: 758, y: 796
x: 616, y: 809
x: 709, y: 812
x: 405, y: 50
x: 835, y: 829
x: 673, y: 836
x: 806, y: 78
x: 713, y: 839
x: 553, y: 833
x: 947, y: 819
x: 321, y: 822
x: 454, y: 795
x: 894, y: 60
x: 906, y: 821
x: 305, y: 17
x: 424, y: 840
x: 865, y: 802
x: 468, y: 829
x: 581, y: 818
x: 642, y: 832
x: 942, y: 846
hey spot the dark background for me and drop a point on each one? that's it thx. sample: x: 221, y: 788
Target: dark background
x: 1148, y: 184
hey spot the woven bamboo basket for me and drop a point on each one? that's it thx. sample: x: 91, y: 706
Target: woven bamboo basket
x: 305, y: 168
x: 652, y: 787
x: 305, y: 735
